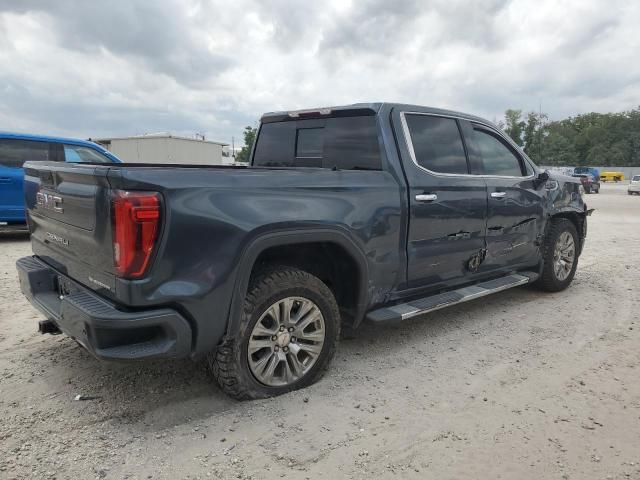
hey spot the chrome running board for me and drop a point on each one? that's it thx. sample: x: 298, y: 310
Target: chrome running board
x: 404, y: 311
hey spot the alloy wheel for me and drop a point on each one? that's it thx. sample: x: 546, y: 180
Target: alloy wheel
x: 564, y: 255
x: 286, y: 341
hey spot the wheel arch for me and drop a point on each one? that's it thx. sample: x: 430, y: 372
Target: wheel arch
x: 579, y: 220
x: 292, y: 238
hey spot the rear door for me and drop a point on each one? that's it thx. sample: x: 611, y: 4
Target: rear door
x: 515, y: 212
x: 448, y: 206
x: 13, y: 154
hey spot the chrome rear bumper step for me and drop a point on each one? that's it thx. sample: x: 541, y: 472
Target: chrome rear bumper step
x: 404, y: 311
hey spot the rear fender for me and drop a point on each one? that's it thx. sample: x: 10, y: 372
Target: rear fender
x: 291, y: 237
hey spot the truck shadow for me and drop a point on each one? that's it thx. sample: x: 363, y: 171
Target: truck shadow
x: 152, y: 395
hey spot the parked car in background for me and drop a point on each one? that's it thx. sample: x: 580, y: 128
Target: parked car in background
x: 588, y: 171
x: 381, y: 212
x: 589, y: 183
x: 634, y: 185
x: 612, y: 176
x: 17, y: 148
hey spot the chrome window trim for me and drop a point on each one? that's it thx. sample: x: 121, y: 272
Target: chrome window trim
x: 412, y: 153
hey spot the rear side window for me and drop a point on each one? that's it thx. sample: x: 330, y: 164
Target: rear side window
x: 437, y: 144
x: 497, y: 157
x: 13, y: 153
x: 349, y: 143
x: 80, y: 154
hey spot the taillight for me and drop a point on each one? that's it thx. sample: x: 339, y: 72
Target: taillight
x: 136, y: 221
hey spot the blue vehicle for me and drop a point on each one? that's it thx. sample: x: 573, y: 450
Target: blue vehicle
x: 588, y: 171
x: 17, y: 148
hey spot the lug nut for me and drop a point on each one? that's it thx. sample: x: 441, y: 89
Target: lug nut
x: 276, y: 348
x: 291, y: 329
x: 274, y: 338
x: 293, y: 339
x: 286, y: 349
x: 282, y: 328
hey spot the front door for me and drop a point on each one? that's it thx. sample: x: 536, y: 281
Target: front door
x: 515, y: 215
x: 447, y: 206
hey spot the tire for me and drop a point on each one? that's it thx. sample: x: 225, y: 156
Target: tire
x: 550, y: 281
x: 231, y: 364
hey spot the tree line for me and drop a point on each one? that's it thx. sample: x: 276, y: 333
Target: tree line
x: 592, y: 139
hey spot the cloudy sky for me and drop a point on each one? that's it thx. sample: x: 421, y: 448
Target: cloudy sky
x: 121, y: 67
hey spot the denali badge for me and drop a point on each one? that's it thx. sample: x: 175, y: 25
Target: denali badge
x: 52, y: 237
x: 48, y: 201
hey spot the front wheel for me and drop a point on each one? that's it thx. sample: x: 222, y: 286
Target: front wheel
x: 560, y: 256
x: 288, y: 334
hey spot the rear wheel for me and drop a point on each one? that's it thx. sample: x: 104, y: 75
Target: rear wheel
x: 560, y: 256
x: 288, y: 334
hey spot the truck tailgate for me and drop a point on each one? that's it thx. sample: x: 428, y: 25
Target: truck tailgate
x: 69, y: 218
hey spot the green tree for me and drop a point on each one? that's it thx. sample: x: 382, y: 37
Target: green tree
x: 249, y: 139
x: 534, y: 134
x: 592, y: 139
x: 514, y: 125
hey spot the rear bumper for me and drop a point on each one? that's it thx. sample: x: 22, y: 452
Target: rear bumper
x: 95, y: 323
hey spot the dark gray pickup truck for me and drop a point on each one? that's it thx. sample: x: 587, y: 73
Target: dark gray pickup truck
x: 377, y: 212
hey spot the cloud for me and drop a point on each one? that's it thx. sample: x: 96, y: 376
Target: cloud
x: 127, y: 67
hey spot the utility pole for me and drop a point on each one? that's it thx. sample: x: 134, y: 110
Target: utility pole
x: 233, y: 148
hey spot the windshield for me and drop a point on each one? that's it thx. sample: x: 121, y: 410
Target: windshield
x: 636, y: 178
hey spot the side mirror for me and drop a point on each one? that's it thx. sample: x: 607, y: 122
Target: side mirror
x: 542, y: 178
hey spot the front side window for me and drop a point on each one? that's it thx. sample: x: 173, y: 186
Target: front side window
x: 497, y: 158
x: 13, y: 153
x: 437, y: 143
x: 80, y: 154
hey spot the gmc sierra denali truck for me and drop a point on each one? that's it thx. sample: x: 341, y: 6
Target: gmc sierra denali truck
x: 379, y: 212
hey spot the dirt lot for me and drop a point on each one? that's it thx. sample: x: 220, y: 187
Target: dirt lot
x: 519, y: 385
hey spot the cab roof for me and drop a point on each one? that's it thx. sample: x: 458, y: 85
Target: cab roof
x: 363, y: 109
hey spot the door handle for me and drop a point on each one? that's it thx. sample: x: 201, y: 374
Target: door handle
x: 5, y: 179
x: 426, y: 197
x: 498, y: 194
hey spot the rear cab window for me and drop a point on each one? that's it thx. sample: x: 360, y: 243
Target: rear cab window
x: 343, y: 143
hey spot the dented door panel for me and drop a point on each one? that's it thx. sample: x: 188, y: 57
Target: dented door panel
x: 515, y: 222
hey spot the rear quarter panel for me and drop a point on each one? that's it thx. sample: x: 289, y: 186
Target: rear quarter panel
x: 212, y: 216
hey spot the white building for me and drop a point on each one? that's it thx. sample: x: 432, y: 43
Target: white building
x: 166, y: 148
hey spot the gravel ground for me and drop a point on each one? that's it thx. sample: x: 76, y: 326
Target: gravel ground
x: 521, y: 384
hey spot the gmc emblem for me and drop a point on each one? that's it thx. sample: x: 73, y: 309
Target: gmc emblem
x: 49, y: 201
